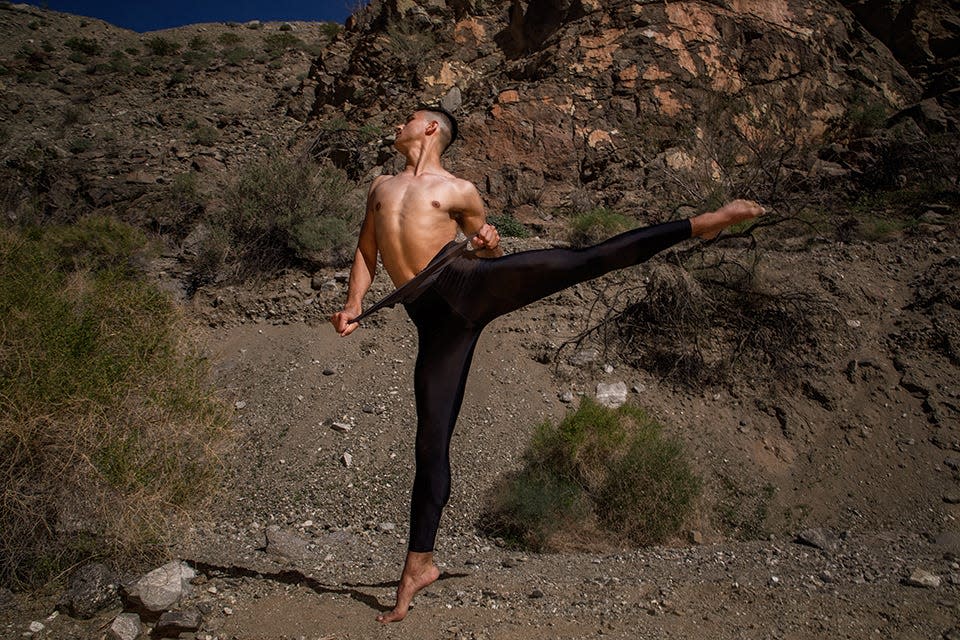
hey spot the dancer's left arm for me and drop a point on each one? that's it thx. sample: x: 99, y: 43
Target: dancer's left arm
x: 473, y: 222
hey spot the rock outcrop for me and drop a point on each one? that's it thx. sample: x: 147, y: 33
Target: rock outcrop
x: 606, y: 103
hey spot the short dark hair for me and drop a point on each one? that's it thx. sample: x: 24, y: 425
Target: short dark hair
x: 454, y: 130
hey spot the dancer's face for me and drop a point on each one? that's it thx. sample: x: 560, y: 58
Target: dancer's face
x: 412, y: 129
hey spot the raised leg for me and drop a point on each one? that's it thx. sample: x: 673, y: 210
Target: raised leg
x: 483, y: 289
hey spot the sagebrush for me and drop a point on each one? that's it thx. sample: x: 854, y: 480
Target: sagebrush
x: 611, y: 471
x: 281, y: 211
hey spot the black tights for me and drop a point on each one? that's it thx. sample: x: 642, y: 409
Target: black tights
x: 451, y: 314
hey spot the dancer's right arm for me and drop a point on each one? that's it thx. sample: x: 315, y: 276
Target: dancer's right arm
x: 361, y: 273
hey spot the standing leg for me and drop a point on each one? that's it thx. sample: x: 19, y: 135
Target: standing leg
x: 446, y: 345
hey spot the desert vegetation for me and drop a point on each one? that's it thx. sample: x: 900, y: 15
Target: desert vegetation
x: 602, y: 472
x: 280, y: 211
x: 107, y: 425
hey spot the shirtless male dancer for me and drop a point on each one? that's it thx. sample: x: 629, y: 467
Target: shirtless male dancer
x: 411, y: 220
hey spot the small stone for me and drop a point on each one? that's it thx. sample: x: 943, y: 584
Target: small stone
x: 923, y: 579
x: 566, y: 397
x: 952, y: 497
x: 931, y: 217
x: 696, y: 537
x: 328, y: 371
x: 346, y: 459
x: 452, y: 101
x: 36, y: 627
x: 342, y: 276
x: 342, y: 427
x: 583, y: 357
x: 853, y: 324
x: 330, y: 286
x: 125, y: 626
x: 206, y: 164
x: 612, y: 395
x: 387, y: 526
x: 608, y: 368
x: 162, y: 588
x: 227, y: 611
x: 239, y: 404
x: 93, y: 587
x: 536, y: 593
x: 172, y: 623
x: 822, y: 539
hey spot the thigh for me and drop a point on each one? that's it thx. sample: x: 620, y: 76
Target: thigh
x: 445, y: 351
x: 483, y: 289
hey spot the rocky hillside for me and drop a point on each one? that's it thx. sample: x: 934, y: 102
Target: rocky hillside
x: 95, y: 118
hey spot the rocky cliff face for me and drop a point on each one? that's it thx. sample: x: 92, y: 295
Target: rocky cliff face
x: 629, y: 103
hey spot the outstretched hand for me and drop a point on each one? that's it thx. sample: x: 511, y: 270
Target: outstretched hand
x: 342, y: 321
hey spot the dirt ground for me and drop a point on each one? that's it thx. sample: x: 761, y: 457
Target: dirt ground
x: 865, y: 454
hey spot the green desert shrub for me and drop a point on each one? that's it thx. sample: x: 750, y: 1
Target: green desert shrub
x: 106, y: 423
x: 598, y: 470
x: 595, y: 225
x: 281, y: 211
x: 508, y: 226
x: 204, y: 134
x: 864, y: 115
x: 276, y: 44
x: 330, y: 29
x: 79, y: 145
x: 198, y: 43
x: 86, y: 46
x: 180, y: 207
x: 160, y: 46
x: 236, y: 55
x: 119, y: 62
x: 197, y: 58
x: 229, y: 39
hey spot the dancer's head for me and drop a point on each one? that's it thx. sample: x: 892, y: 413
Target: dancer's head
x: 424, y: 123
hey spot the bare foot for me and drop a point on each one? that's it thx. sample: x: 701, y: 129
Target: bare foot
x: 418, y: 572
x: 708, y: 225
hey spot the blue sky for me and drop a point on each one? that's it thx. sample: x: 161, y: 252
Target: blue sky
x: 149, y: 16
